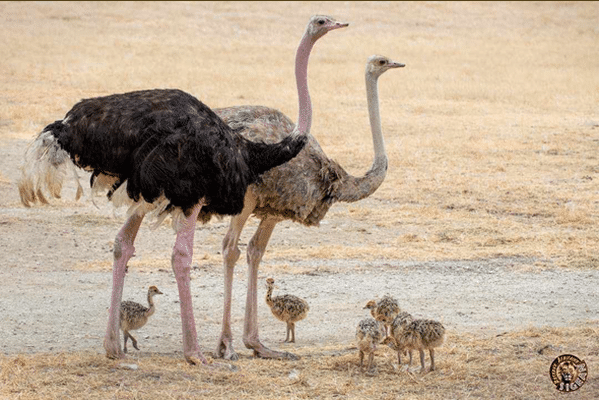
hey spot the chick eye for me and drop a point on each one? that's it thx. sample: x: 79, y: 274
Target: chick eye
x: 382, y: 62
x: 321, y: 21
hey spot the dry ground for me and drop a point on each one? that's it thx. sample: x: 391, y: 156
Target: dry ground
x: 488, y: 219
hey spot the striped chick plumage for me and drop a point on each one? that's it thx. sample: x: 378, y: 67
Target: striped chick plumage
x: 369, y: 333
x: 384, y: 310
x: 420, y: 334
x: 134, y: 315
x: 287, y: 308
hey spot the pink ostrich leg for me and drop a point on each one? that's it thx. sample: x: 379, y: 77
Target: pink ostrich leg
x: 181, y: 261
x: 231, y: 254
x: 123, y: 251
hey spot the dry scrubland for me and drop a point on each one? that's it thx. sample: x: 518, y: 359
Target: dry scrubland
x: 492, y: 136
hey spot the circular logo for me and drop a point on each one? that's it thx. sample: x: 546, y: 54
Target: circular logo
x: 568, y: 373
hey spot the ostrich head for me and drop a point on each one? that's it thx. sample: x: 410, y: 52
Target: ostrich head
x: 390, y: 341
x: 319, y: 25
x: 153, y: 290
x: 270, y: 282
x: 377, y: 65
x: 371, y: 305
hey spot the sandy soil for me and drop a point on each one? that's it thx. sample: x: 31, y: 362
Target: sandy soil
x: 56, y: 273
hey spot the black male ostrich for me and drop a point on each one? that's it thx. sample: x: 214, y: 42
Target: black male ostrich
x: 161, y: 151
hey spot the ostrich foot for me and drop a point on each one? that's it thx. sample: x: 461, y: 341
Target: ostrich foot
x: 113, y: 350
x: 225, y: 349
x: 261, y: 351
x: 195, y: 358
x: 201, y: 361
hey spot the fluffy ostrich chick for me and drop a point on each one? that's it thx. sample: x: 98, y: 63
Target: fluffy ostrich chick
x: 369, y: 333
x: 420, y: 334
x: 384, y: 310
x: 134, y: 315
x: 287, y: 308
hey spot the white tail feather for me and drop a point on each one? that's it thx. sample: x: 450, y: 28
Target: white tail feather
x: 44, y: 170
x: 46, y: 165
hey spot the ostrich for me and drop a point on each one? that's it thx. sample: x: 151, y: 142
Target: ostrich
x: 161, y: 152
x: 398, y: 324
x: 134, y: 315
x: 302, y: 190
x: 369, y: 333
x: 287, y: 308
x: 384, y: 310
x: 420, y: 334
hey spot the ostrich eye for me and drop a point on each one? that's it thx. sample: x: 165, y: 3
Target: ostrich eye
x: 321, y: 21
x: 381, y: 62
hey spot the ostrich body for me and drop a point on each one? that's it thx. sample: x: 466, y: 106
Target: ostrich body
x: 384, y: 310
x: 398, y: 324
x: 265, y: 124
x: 133, y: 316
x: 369, y: 333
x: 302, y: 190
x: 287, y: 308
x: 420, y: 334
x: 161, y: 152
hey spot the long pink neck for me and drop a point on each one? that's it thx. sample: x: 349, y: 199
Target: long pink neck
x: 304, y: 104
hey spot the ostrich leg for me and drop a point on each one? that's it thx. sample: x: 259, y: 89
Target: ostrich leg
x: 256, y: 250
x: 181, y: 261
x: 123, y: 251
x: 231, y: 253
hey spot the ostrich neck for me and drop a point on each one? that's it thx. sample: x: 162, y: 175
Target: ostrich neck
x: 358, y: 188
x: 304, y: 104
x: 269, y: 293
x: 151, y: 307
x: 375, y: 121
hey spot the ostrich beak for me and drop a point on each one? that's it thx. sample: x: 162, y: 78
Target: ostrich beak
x: 397, y: 65
x: 339, y: 25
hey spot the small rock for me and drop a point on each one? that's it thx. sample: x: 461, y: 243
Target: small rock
x: 132, y: 367
x: 293, y: 374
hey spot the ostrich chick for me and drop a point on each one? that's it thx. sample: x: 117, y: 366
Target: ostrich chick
x: 384, y: 310
x: 134, y: 315
x: 287, y: 308
x: 369, y: 332
x: 397, y: 327
x: 420, y: 334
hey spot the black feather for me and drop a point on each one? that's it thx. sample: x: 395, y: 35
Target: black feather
x: 167, y: 142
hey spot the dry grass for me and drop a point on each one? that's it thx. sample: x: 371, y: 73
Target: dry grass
x: 513, y: 365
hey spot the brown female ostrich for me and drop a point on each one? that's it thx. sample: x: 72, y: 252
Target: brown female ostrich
x: 160, y: 151
x: 287, y: 308
x: 302, y: 190
x: 262, y: 123
x: 133, y: 316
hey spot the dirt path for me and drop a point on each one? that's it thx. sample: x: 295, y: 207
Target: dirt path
x: 48, y: 311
